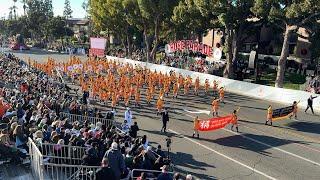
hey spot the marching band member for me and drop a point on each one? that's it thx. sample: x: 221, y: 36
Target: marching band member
x: 269, y: 115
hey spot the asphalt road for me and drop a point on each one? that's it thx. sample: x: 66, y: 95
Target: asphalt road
x: 289, y: 149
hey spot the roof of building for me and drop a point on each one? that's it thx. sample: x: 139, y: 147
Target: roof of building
x: 78, y: 21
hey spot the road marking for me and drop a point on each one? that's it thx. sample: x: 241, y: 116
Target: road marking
x: 277, y: 137
x: 198, y: 112
x: 268, y: 145
x: 225, y: 156
x: 272, y: 147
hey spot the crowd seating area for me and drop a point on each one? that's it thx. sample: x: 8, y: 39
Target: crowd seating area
x: 65, y: 139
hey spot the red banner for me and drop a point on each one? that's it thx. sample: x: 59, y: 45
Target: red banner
x: 214, y: 123
x: 190, y: 45
x: 96, y: 52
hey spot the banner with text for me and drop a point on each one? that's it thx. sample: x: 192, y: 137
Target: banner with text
x: 281, y: 113
x: 214, y: 123
x: 190, y: 45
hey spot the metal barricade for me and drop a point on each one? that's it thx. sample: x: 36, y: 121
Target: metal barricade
x: 92, y: 120
x: 62, y: 154
x: 51, y: 161
x: 150, y: 174
x: 70, y: 172
x: 36, y: 160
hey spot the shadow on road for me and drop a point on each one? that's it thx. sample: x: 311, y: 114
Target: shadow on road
x: 309, y: 127
x: 185, y: 160
x: 238, y: 141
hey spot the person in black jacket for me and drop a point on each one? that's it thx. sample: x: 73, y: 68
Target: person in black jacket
x: 310, y: 103
x: 134, y: 130
x: 165, y: 119
x: 105, y: 172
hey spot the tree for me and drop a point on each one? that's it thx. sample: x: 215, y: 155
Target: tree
x: 231, y: 16
x: 289, y: 16
x: 149, y: 16
x: 24, y: 2
x: 14, y: 9
x: 67, y: 13
x: 110, y: 15
x: 189, y: 17
x: 58, y: 29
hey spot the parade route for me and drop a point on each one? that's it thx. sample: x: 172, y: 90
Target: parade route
x: 287, y: 150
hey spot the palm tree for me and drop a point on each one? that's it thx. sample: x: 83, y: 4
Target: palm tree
x: 24, y: 6
x: 10, y: 13
x: 14, y: 11
x: 14, y: 8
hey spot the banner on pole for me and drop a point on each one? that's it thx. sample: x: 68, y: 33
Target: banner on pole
x: 281, y: 113
x: 214, y: 123
x: 97, y: 46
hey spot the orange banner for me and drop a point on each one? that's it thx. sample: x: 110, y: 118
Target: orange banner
x: 214, y: 123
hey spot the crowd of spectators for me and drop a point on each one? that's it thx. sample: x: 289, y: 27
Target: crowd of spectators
x: 313, y: 84
x: 30, y: 104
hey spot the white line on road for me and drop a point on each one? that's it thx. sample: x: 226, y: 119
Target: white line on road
x: 272, y: 147
x: 225, y: 156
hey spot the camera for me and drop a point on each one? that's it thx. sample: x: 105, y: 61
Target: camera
x: 168, y: 140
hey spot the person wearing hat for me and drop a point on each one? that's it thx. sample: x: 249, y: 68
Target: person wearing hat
x: 115, y: 160
x: 164, y: 175
x: 128, y: 116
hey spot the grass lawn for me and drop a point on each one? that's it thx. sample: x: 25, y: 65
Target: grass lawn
x: 291, y: 80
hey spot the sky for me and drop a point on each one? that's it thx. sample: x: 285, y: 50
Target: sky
x: 58, y: 6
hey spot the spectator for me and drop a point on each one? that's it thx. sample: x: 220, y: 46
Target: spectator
x: 177, y: 176
x: 159, y: 151
x: 134, y: 130
x: 116, y: 160
x: 144, y: 142
x: 189, y: 177
x: 128, y: 116
x: 20, y: 138
x: 105, y: 172
x: 164, y: 173
x: 143, y: 176
x: 125, y: 127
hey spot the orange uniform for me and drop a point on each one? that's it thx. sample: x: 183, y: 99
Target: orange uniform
x: 197, y: 85
x: 206, y: 86
x: 215, y: 106
x: 160, y: 104
x: 221, y: 94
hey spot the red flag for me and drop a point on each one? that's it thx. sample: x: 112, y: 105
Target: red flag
x: 214, y: 123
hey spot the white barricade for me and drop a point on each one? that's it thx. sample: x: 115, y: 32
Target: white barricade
x: 91, y: 120
x: 51, y: 161
x: 36, y: 160
x: 62, y: 154
x: 70, y: 172
x: 278, y: 95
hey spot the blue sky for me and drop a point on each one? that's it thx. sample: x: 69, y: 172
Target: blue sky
x: 58, y: 6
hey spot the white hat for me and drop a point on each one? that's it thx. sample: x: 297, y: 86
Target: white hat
x: 114, y: 146
x: 189, y: 177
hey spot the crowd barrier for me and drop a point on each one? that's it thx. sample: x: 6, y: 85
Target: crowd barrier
x: 269, y: 93
x: 92, y: 120
x: 62, y: 154
x: 36, y: 160
x: 51, y: 161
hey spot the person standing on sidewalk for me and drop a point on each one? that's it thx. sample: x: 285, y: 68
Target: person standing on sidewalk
x: 310, y: 103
